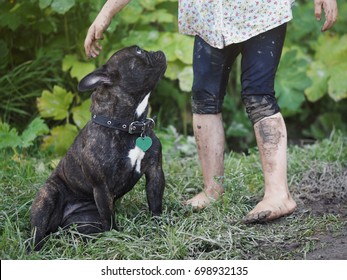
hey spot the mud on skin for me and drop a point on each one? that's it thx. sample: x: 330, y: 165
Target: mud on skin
x: 270, y: 135
x: 269, y: 130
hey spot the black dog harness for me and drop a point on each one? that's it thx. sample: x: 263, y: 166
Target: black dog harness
x: 130, y: 127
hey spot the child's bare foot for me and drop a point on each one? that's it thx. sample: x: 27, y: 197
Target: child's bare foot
x: 270, y: 208
x: 205, y: 198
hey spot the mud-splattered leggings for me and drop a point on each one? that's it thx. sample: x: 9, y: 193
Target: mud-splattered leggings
x: 260, y: 58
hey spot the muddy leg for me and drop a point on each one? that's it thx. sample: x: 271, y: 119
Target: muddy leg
x: 271, y: 135
x: 209, y: 136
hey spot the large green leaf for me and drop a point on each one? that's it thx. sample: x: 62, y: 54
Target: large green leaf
x: 62, y: 6
x: 148, y: 4
x: 36, y: 128
x: 328, y: 72
x: 186, y: 79
x: 166, y: 42
x: 337, y: 84
x: 81, y: 114
x: 60, y: 139
x: 331, y: 49
x: 78, y: 69
x: 184, y: 48
x: 174, y: 69
x: 55, y: 104
x: 131, y: 13
x: 8, y: 136
x: 10, y: 20
x: 303, y: 28
x: 291, y: 81
x: 147, y: 40
x: 44, y: 3
x: 290, y: 100
x: 159, y: 15
x: 319, y: 74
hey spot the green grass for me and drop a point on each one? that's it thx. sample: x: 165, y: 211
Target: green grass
x: 214, y: 233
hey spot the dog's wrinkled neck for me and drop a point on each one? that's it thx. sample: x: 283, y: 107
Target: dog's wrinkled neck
x: 120, y: 105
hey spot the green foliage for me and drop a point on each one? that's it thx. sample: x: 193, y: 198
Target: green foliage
x: 81, y: 113
x: 55, y: 104
x: 41, y: 48
x: 20, y: 87
x: 9, y: 137
x: 60, y: 138
x: 61, y: 7
x: 78, y: 69
x: 292, y: 81
x: 329, y: 68
x: 172, y: 106
x: 58, y: 105
x: 175, y: 145
x: 323, y: 77
x: 36, y: 128
x: 325, y: 124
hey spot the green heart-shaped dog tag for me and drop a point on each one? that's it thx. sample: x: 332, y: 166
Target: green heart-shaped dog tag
x: 144, y: 143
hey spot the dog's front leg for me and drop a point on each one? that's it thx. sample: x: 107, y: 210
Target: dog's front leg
x: 155, y: 184
x: 46, y: 211
x: 104, y: 202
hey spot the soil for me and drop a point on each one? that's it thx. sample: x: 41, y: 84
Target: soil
x: 320, y: 192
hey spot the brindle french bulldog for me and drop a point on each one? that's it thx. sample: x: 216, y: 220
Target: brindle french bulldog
x: 110, y: 154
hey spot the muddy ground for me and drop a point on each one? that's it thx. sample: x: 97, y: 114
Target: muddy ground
x: 321, y: 192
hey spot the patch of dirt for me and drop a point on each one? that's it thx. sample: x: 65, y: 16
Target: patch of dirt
x: 324, y: 191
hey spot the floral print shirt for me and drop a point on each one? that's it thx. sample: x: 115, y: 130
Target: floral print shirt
x: 224, y: 22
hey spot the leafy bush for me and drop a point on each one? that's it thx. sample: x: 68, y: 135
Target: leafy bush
x: 322, y: 79
x: 41, y: 48
x: 9, y: 137
x: 20, y: 87
x: 57, y: 105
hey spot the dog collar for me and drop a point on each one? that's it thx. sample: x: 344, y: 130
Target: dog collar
x: 130, y: 127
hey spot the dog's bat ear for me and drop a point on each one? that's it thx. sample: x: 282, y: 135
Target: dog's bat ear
x: 96, y: 78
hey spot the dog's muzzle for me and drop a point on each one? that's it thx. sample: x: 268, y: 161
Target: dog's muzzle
x: 156, y: 57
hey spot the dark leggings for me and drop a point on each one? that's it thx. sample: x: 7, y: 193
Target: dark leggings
x: 260, y: 58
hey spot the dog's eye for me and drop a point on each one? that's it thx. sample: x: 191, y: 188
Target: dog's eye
x: 138, y: 51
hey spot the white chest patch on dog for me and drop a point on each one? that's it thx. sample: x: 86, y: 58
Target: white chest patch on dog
x: 136, y: 155
x: 143, y: 105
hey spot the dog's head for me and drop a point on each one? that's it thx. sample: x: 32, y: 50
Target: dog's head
x: 131, y: 70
